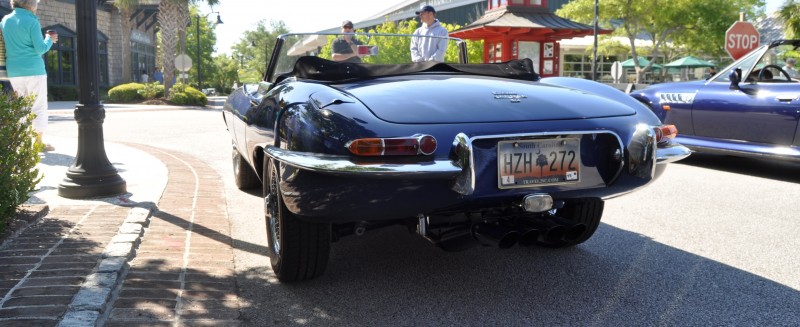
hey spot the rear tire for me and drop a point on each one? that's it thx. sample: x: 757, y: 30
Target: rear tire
x: 583, y: 211
x: 243, y: 174
x: 298, y: 250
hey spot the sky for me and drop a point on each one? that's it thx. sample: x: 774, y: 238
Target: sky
x: 299, y: 15
x: 303, y: 15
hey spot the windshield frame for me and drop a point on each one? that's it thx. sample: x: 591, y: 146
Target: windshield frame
x: 269, y: 75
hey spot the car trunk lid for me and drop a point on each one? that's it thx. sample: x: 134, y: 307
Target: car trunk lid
x: 437, y: 99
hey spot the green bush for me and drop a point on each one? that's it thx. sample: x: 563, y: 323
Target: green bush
x: 182, y: 94
x: 126, y: 93
x: 19, y: 154
x: 152, y: 91
x: 62, y: 93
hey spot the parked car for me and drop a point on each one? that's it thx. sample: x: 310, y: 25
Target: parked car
x: 750, y: 108
x: 210, y: 91
x: 460, y: 153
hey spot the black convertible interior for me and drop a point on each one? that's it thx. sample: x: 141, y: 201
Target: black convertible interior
x: 316, y: 68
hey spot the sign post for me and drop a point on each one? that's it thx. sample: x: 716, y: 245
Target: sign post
x: 740, y: 39
x: 616, y: 71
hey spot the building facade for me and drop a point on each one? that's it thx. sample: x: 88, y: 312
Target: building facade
x: 118, y: 62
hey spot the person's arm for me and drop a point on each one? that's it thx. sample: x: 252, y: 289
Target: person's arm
x: 339, y: 52
x: 40, y: 44
x: 440, y: 45
x: 415, y: 56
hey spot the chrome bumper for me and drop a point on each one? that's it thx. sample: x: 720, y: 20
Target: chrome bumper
x: 343, y: 165
x: 672, y: 153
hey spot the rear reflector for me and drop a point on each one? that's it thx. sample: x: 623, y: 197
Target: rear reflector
x: 399, y: 146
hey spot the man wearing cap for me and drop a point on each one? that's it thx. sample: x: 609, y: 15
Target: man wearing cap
x: 423, y: 47
x: 345, y: 47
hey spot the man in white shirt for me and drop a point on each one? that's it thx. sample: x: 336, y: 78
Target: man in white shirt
x: 429, y: 48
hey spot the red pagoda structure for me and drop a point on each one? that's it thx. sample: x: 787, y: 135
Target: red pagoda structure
x: 514, y: 29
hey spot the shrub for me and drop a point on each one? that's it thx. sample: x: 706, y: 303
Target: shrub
x: 152, y: 91
x: 125, y: 92
x: 62, y: 93
x: 181, y: 94
x: 19, y: 154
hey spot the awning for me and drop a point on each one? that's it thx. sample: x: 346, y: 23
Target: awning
x: 309, y: 44
x: 690, y: 62
x: 642, y: 63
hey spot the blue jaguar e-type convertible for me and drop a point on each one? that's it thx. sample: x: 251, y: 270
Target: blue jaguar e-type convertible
x: 460, y: 153
x: 750, y: 108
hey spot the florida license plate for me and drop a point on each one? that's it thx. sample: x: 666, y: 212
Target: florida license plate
x: 526, y: 163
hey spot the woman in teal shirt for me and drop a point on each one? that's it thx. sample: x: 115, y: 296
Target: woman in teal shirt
x: 25, y: 46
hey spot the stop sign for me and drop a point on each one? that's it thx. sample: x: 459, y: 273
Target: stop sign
x: 740, y: 39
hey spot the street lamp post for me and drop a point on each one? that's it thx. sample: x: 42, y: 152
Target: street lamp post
x: 594, y: 58
x: 91, y: 174
x: 199, y: 59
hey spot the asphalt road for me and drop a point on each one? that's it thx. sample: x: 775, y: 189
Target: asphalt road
x: 713, y: 242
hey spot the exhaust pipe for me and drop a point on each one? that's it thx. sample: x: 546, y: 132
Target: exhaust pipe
x: 573, y: 230
x: 495, y: 235
x: 541, y: 231
x: 551, y: 230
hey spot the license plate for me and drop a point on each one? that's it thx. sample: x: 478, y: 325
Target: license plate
x: 527, y: 163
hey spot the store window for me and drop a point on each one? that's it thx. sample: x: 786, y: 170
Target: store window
x: 143, y: 55
x: 60, y: 60
x: 102, y: 58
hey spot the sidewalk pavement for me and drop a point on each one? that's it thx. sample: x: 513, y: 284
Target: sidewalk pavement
x: 159, y: 255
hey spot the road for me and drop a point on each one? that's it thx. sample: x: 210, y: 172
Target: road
x: 713, y: 242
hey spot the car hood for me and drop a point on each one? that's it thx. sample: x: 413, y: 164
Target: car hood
x: 434, y: 99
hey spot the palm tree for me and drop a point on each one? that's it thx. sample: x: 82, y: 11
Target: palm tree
x: 790, y: 14
x: 172, y: 18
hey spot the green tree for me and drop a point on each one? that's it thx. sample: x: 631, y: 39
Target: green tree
x: 208, y: 40
x: 790, y: 14
x: 226, y: 73
x: 255, y: 47
x: 691, y: 24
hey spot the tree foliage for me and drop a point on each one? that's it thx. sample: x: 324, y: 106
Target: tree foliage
x: 669, y: 24
x: 255, y: 47
x: 789, y: 13
x: 208, y: 39
x: 397, y: 49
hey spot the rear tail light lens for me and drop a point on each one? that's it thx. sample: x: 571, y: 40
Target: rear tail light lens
x: 665, y: 133
x: 398, y: 146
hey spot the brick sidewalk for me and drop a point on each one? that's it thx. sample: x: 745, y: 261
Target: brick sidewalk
x: 80, y: 265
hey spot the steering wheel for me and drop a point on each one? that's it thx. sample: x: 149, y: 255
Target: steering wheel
x: 763, y: 69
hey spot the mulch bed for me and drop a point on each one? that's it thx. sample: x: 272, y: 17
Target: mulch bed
x: 26, y: 215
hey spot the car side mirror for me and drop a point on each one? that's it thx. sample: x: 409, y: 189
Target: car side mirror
x: 735, y: 76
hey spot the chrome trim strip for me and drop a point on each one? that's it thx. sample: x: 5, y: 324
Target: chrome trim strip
x: 465, y: 183
x: 343, y: 165
x: 672, y: 153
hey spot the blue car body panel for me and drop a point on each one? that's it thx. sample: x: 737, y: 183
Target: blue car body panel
x: 758, y: 118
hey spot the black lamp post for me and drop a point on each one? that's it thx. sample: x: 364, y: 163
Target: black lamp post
x: 91, y: 174
x: 199, y: 59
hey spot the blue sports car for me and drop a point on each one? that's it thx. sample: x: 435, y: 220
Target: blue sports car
x: 750, y: 108
x: 460, y: 153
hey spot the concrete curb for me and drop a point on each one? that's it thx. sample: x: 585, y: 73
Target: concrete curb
x: 89, y: 304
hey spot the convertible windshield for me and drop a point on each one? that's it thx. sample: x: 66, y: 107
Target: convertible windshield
x: 769, y: 64
x: 364, y: 48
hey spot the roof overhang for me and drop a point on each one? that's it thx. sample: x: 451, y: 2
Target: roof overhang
x: 530, y: 22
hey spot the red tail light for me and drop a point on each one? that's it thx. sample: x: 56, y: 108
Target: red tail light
x: 399, y: 146
x: 665, y: 133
